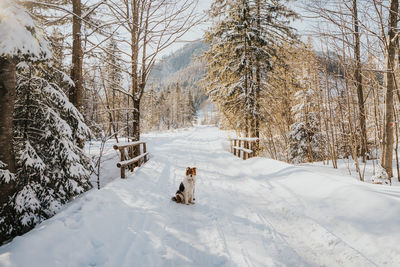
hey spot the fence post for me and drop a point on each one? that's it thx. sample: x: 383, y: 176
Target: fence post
x: 144, y: 151
x: 139, y: 163
x: 130, y: 154
x: 123, y: 172
x: 240, y: 145
x: 251, y: 147
x: 245, y: 146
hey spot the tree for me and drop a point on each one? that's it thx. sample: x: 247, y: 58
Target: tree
x: 49, y: 168
x: 76, y: 91
x: 358, y: 81
x: 7, y: 96
x: 391, y: 43
x: 305, y: 136
x: 152, y: 27
x: 242, y: 51
x: 16, y: 25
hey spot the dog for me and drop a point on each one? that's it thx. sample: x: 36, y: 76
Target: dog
x: 185, y: 193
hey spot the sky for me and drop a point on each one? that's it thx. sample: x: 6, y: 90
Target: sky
x: 303, y: 26
x: 195, y: 33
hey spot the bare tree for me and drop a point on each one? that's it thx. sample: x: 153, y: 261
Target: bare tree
x: 152, y: 26
x: 75, y: 93
x: 358, y: 82
x: 388, y: 140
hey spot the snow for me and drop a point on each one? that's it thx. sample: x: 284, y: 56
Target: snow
x: 257, y: 212
x: 5, y: 175
x: 243, y: 149
x: 370, y: 170
x: 250, y: 139
x: 18, y: 33
x: 133, y: 160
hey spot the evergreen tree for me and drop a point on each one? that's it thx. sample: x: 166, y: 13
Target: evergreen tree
x: 189, y: 109
x: 113, y: 85
x: 242, y: 47
x: 305, y: 136
x: 50, y: 167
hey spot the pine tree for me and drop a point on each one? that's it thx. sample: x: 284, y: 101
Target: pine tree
x: 113, y: 85
x: 305, y: 135
x: 189, y: 109
x: 242, y: 47
x: 20, y: 40
x: 51, y: 168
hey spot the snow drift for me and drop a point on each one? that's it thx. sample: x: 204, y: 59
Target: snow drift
x: 258, y: 212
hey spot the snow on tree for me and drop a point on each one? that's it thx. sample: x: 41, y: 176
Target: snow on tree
x: 5, y: 175
x: 305, y: 136
x: 19, y: 36
x: 170, y: 108
x: 50, y: 168
x: 242, y: 53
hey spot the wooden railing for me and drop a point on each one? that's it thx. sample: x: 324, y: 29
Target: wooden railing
x: 127, y: 151
x: 244, y: 147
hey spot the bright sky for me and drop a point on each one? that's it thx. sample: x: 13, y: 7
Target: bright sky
x: 302, y: 25
x: 195, y: 33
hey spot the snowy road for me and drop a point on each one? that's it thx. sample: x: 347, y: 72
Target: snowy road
x: 257, y: 212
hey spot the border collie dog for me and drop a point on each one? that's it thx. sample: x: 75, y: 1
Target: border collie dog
x: 185, y: 193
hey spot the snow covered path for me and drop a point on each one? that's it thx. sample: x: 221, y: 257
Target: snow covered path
x: 257, y: 212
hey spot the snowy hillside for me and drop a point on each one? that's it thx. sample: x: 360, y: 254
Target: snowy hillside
x: 177, y: 61
x: 258, y: 212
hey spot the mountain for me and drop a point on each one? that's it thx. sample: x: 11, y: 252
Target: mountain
x: 177, y: 61
x: 184, y: 67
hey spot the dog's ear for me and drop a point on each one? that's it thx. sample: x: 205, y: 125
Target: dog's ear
x: 187, y: 171
x: 194, y: 170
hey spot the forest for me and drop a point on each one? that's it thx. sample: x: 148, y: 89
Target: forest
x: 330, y: 97
x: 76, y: 71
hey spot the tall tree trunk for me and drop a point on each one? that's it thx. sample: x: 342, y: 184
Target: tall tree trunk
x: 136, y: 118
x: 358, y: 82
x: 258, y: 86
x: 7, y: 96
x: 134, y: 70
x: 387, y: 155
x: 76, y: 92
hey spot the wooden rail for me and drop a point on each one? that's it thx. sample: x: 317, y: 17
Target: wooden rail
x: 127, y: 151
x: 244, y: 147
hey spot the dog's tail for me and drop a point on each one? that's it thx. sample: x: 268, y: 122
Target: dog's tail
x: 178, y: 198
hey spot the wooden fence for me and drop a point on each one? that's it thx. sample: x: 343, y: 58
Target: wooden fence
x: 244, y: 147
x: 127, y: 151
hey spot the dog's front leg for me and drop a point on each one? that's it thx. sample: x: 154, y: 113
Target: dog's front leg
x: 191, y: 198
x: 186, y: 197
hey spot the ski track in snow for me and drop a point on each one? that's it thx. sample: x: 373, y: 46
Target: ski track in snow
x: 257, y: 212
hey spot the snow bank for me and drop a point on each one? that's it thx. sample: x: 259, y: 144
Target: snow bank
x: 257, y: 212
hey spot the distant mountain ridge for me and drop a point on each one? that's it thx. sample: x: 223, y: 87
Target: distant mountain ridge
x: 185, y: 67
x: 177, y: 61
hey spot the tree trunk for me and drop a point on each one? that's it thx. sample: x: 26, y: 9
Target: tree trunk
x: 258, y: 87
x: 387, y: 155
x: 7, y: 96
x: 136, y: 119
x: 134, y: 74
x: 76, y: 92
x: 358, y: 82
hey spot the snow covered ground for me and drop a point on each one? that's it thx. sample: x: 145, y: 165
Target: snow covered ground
x: 348, y: 167
x: 258, y: 212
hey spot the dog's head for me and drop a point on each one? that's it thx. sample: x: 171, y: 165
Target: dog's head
x: 191, y: 172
